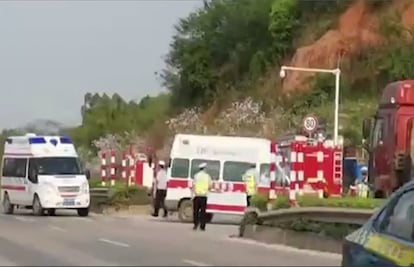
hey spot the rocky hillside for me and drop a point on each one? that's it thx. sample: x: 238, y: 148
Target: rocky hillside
x: 358, y: 29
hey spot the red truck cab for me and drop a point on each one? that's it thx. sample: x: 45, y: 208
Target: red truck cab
x: 390, y: 138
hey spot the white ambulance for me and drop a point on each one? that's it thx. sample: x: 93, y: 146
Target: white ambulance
x: 227, y: 159
x: 43, y: 173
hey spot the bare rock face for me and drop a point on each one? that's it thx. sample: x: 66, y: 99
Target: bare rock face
x: 357, y: 29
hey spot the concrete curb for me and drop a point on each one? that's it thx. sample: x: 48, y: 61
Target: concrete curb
x: 124, y: 210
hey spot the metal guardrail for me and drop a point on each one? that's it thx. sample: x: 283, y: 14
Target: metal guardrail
x: 318, y: 214
x: 100, y: 195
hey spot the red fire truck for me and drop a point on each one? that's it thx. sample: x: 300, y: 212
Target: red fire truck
x: 313, y: 167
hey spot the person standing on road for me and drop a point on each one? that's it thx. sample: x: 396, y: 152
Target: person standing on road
x: 161, y: 185
x: 250, y: 179
x: 201, y: 186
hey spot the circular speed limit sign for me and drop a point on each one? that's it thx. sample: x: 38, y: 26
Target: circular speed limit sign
x: 310, y: 123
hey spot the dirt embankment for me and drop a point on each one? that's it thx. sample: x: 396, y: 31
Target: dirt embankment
x: 357, y: 28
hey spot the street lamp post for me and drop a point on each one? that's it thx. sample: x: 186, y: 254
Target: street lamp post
x: 337, y: 73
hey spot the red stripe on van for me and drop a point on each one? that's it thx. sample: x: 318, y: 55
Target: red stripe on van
x: 177, y: 183
x: 14, y: 187
x: 222, y: 207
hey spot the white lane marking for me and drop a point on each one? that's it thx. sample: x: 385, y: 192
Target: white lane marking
x: 57, y: 228
x: 83, y: 219
x: 285, y: 248
x: 23, y: 219
x: 196, y: 263
x: 116, y: 243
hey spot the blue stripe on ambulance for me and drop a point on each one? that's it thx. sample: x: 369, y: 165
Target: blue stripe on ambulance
x: 37, y: 140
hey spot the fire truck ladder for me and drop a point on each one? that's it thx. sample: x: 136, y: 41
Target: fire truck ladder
x: 337, y: 167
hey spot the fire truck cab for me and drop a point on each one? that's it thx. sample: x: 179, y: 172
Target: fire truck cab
x: 389, y: 138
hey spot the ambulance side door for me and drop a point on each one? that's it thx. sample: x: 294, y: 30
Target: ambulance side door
x: 31, y: 184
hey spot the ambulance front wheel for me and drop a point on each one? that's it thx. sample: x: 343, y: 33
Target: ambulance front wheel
x: 37, y: 206
x: 8, y: 208
x: 83, y: 212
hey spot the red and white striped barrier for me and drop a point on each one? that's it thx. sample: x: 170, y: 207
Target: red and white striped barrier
x: 292, y: 175
x: 103, y: 168
x: 112, y: 166
x: 320, y: 173
x: 275, y: 160
x: 134, y: 171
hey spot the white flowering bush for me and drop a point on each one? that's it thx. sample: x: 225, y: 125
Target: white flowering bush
x: 189, y: 121
x: 241, y: 118
x: 244, y: 118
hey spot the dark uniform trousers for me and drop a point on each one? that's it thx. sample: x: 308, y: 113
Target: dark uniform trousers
x: 199, y: 211
x: 160, y: 201
x: 248, y: 200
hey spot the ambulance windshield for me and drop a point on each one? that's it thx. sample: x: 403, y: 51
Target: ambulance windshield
x: 56, y: 165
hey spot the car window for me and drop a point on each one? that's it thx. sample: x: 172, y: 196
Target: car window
x: 212, y: 168
x: 233, y: 171
x: 378, y: 132
x: 180, y: 168
x: 14, y: 167
x: 399, y: 218
x: 265, y: 174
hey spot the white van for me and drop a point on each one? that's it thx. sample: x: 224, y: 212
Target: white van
x: 43, y: 173
x: 227, y: 158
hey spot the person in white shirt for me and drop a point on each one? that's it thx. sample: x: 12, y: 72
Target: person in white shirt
x: 161, y: 186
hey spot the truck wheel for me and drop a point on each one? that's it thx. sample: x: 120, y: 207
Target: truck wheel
x: 185, y: 211
x: 84, y: 212
x: 37, y: 207
x: 209, y: 217
x: 379, y: 194
x: 8, y: 208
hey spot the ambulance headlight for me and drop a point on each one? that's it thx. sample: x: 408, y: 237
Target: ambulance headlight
x: 50, y: 188
x: 85, y: 188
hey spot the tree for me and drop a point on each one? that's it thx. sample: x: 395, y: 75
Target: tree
x: 215, y: 47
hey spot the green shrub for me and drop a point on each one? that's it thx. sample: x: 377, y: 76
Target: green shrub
x: 129, y: 195
x: 97, y: 182
x: 260, y: 201
x: 121, y: 194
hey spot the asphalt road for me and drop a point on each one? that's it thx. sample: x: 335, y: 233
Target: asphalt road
x: 136, y: 241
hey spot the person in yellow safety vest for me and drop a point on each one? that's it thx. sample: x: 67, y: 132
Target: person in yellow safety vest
x: 201, y: 186
x: 362, y: 187
x: 251, y: 179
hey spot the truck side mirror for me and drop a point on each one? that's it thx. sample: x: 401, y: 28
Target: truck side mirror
x: 366, y: 128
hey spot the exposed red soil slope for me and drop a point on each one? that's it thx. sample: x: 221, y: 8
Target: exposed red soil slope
x: 357, y: 29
